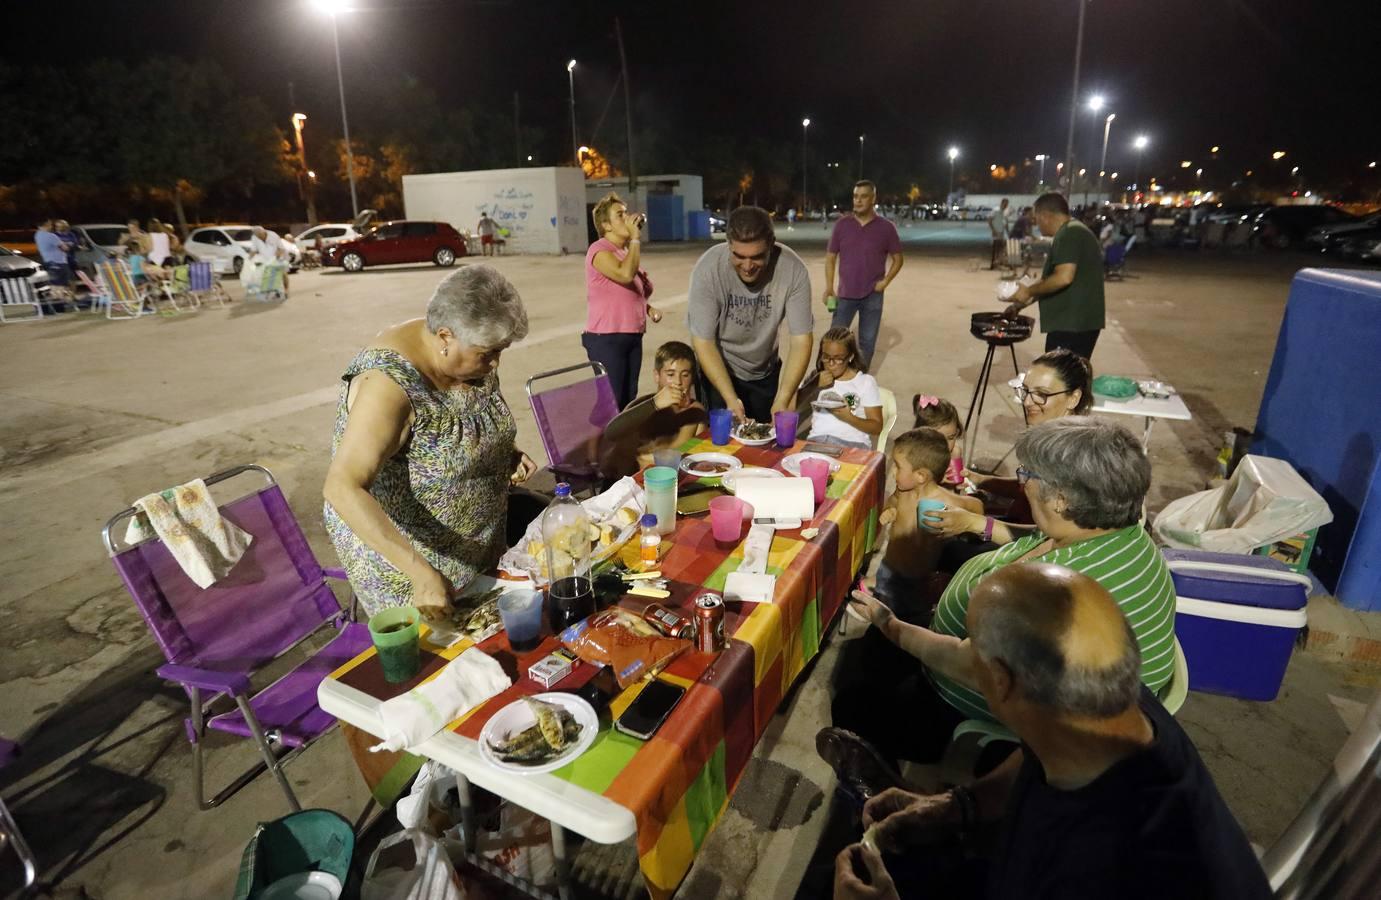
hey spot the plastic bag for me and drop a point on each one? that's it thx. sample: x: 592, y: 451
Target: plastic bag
x: 521, y: 846
x: 1266, y: 500
x: 411, y: 865
x: 621, y: 640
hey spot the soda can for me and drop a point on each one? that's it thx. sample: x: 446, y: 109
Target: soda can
x: 668, y: 621
x: 709, y: 622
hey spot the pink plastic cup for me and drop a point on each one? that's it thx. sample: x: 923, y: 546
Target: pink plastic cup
x: 818, y: 471
x: 727, y: 515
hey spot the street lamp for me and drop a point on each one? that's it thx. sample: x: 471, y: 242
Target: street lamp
x: 860, y: 157
x: 1103, y: 160
x: 575, y: 148
x: 805, y: 123
x: 1040, y: 158
x: 953, y: 155
x: 305, y: 189
x: 333, y: 8
x: 1279, y: 154
x: 1140, y: 144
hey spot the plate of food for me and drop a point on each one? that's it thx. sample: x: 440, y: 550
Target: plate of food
x: 539, y: 734
x: 730, y: 479
x: 754, y: 434
x: 709, y: 465
x: 828, y: 400
x: 792, y: 463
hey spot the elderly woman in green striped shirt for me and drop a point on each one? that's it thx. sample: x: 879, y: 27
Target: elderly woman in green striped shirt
x: 1086, y: 481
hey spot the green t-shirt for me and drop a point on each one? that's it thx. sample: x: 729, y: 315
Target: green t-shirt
x: 1078, y: 307
x: 1125, y: 562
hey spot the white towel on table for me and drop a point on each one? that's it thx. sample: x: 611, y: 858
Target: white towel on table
x: 465, y: 682
x: 186, y: 519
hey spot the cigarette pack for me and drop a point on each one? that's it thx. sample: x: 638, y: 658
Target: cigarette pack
x: 548, y: 670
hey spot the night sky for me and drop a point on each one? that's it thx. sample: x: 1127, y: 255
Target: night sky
x: 991, y: 76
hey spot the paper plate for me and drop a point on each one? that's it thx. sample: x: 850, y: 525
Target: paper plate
x: 304, y: 886
x: 691, y: 462
x: 792, y: 463
x: 731, y: 478
x: 752, y: 442
x: 516, y: 717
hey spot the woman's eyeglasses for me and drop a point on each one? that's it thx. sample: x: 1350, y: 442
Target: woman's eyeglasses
x: 1037, y: 397
x: 1024, y: 475
x: 834, y: 359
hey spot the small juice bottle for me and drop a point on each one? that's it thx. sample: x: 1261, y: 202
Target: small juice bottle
x: 649, y: 543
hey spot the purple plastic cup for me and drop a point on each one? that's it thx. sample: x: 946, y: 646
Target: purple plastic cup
x: 785, y: 423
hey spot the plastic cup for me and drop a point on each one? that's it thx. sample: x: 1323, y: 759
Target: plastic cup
x: 726, y: 518
x: 721, y: 423
x: 396, y: 633
x: 924, y: 507
x: 667, y: 458
x: 785, y: 423
x: 956, y: 471
x: 521, y: 612
x: 818, y: 471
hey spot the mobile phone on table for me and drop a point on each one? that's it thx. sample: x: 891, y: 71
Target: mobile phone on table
x: 649, y: 709
x: 823, y: 449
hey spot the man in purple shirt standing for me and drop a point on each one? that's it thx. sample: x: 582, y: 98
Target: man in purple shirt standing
x: 867, y: 242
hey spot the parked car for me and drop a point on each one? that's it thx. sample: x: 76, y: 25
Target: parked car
x: 1326, y: 237
x: 1372, y: 254
x: 1355, y: 244
x: 227, y: 247
x: 717, y: 223
x: 330, y: 233
x: 399, y: 242
x: 1282, y: 227
x: 104, y: 241
x: 14, y: 265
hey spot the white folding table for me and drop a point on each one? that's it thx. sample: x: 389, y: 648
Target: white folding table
x: 1150, y: 409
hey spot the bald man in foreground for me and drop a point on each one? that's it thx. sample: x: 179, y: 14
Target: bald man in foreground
x: 1106, y: 797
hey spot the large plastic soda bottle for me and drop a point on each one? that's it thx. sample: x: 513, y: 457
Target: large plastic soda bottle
x: 566, y: 533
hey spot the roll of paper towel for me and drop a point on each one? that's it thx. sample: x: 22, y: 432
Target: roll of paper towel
x: 778, y: 498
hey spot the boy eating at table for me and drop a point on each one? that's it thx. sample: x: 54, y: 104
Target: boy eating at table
x: 666, y: 418
x: 920, y: 458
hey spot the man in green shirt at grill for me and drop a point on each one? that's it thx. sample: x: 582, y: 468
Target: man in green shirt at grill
x: 1070, y: 291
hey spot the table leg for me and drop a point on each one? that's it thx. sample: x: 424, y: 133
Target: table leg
x: 467, y: 813
x: 563, y: 864
x: 1146, y: 434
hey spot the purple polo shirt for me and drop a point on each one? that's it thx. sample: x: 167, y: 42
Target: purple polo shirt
x: 863, y: 251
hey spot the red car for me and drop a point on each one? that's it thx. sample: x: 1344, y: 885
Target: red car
x: 398, y: 242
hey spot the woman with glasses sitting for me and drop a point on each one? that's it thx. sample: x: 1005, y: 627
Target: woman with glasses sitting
x: 1086, y: 480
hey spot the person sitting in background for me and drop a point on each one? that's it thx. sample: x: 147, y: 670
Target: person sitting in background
x: 843, y: 376
x: 160, y: 245
x: 920, y: 458
x: 1086, y: 481
x: 1106, y: 796
x: 667, y: 418
x: 141, y: 270
x: 138, y: 236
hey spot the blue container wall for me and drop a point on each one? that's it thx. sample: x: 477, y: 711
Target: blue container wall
x: 1321, y: 412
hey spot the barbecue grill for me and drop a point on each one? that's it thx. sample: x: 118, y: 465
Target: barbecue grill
x: 996, y: 330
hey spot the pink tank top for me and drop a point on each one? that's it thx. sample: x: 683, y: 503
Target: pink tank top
x: 613, y: 308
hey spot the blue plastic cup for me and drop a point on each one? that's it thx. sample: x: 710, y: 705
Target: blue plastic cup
x: 721, y: 423
x: 521, y: 612
x: 926, y: 506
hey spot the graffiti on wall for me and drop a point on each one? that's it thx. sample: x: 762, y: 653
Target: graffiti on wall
x: 511, y: 207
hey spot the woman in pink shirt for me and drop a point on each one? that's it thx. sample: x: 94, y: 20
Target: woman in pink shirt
x: 617, y: 292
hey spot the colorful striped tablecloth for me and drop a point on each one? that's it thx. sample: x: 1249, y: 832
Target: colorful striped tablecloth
x: 678, y: 783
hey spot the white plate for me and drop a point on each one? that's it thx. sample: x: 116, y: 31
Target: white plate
x: 792, y: 463
x: 752, y: 442
x: 688, y: 464
x: 731, y: 477
x: 304, y: 886
x: 516, y: 717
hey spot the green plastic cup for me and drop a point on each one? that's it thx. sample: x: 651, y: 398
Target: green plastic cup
x: 397, y: 635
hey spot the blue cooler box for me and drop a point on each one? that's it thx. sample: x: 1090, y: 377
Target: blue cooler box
x: 1236, y: 618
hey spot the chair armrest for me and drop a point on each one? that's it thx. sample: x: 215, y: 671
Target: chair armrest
x: 338, y: 574
x: 232, y: 683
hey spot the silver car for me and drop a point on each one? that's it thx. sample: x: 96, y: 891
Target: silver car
x: 11, y: 262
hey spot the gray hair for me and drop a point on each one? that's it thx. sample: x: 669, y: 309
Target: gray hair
x: 1100, y: 468
x: 479, y: 306
x: 1028, y: 637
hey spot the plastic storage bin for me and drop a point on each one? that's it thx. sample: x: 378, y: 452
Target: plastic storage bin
x: 1237, y: 619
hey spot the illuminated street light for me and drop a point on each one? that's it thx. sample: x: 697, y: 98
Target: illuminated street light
x: 953, y: 155
x: 1213, y: 149
x: 311, y: 174
x: 1372, y: 164
x: 570, y: 77
x: 1295, y: 170
x: 805, y: 124
x: 1040, y: 158
x: 1279, y: 154
x: 304, y: 191
x: 1095, y: 102
x: 992, y: 168
x: 1184, y: 164
x: 1140, y: 144
x: 529, y: 158
x: 333, y: 8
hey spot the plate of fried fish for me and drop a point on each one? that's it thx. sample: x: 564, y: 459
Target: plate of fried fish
x: 540, y: 733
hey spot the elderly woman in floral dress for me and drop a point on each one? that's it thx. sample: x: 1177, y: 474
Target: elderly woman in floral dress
x: 423, y: 452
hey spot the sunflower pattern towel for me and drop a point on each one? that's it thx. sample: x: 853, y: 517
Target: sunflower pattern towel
x: 186, y: 519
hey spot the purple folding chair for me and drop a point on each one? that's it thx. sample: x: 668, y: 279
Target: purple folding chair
x: 9, y: 831
x: 571, y: 418
x: 216, y: 638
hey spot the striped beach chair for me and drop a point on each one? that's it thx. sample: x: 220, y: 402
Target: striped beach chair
x: 117, y: 293
x: 18, y: 293
x: 202, y: 284
x: 271, y: 283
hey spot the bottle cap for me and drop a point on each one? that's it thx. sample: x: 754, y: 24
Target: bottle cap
x: 563, y: 490
x: 648, y: 520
